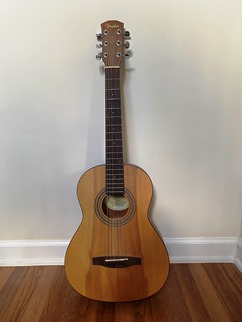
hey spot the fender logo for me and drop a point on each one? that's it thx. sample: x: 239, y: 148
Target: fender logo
x: 111, y: 26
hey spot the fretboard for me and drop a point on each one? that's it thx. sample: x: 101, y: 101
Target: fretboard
x: 113, y: 124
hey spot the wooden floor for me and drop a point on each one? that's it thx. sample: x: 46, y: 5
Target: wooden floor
x: 193, y: 292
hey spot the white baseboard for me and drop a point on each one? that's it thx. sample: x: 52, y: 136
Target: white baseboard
x: 181, y: 250
x: 32, y: 252
x: 202, y: 250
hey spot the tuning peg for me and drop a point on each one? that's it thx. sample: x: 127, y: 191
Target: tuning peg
x: 126, y: 56
x: 126, y: 44
x: 99, y: 56
x: 98, y: 45
x: 126, y: 34
x: 99, y: 35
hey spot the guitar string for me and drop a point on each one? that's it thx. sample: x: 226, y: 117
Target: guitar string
x: 106, y: 167
x: 119, y: 239
x: 118, y: 148
x: 108, y: 154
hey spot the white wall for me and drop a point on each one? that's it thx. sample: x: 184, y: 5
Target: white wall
x: 182, y: 112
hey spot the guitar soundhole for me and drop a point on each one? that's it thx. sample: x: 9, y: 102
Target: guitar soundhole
x: 115, y: 210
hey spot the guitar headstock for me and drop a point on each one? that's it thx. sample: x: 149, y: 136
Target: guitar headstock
x: 113, y: 43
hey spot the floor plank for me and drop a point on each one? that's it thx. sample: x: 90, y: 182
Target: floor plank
x: 208, y: 293
x: 228, y: 286
x: 193, y: 292
x: 5, y: 273
x: 193, y: 298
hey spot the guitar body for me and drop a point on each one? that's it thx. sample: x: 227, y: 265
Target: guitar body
x: 121, y: 238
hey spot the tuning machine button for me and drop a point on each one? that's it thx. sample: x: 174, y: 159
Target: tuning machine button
x: 99, y: 56
x: 127, y: 55
x: 126, y: 34
x: 99, y: 36
x: 98, y: 45
x: 126, y: 44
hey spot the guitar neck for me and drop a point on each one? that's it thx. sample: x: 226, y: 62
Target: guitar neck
x: 113, y: 125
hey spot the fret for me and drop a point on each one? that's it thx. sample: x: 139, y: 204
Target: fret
x: 114, y: 137
x: 114, y: 193
x: 116, y: 188
x: 118, y: 174
x: 114, y: 166
x: 112, y: 111
x: 112, y: 153
x: 117, y: 184
x: 114, y: 149
x: 117, y: 155
x: 111, y: 147
x: 113, y: 159
x: 113, y: 134
x: 117, y: 167
x: 112, y: 105
x: 113, y: 116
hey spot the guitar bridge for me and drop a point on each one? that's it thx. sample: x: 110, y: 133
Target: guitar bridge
x: 116, y: 261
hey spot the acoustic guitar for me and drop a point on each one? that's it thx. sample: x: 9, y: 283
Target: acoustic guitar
x: 115, y: 255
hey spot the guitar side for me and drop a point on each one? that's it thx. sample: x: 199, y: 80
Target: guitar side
x: 133, y: 238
